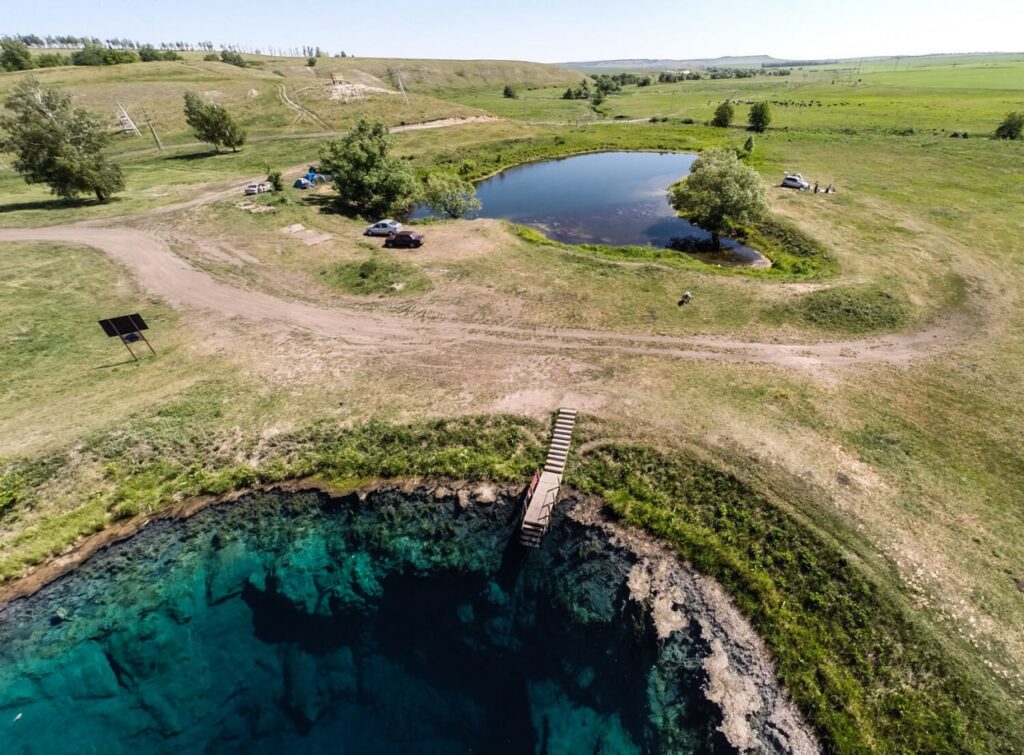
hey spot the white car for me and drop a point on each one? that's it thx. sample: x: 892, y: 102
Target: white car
x: 383, y: 228
x: 795, y: 181
x: 259, y: 188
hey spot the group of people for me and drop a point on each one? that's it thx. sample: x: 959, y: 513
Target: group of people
x: 830, y: 189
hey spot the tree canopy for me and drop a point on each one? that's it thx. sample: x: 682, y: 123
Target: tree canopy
x: 14, y: 56
x: 760, y: 116
x: 368, y: 179
x: 450, y: 195
x: 56, y: 144
x: 213, y: 123
x: 720, y: 191
x: 723, y: 115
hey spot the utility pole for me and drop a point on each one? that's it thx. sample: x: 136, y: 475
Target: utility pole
x: 152, y: 130
x: 402, y: 87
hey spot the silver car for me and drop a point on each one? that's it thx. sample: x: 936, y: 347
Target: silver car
x: 795, y: 181
x: 383, y: 228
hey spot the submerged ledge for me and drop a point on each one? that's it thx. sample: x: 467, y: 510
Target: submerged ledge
x: 681, y: 608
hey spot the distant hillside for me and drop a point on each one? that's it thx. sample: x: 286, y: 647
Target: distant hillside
x: 748, y: 61
x: 284, y: 95
x: 666, y: 64
x: 432, y: 76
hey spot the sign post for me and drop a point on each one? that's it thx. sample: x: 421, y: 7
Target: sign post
x: 127, y: 328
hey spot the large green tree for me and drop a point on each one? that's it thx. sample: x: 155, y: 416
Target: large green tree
x: 723, y: 115
x: 56, y: 144
x: 14, y: 56
x: 760, y: 116
x: 720, y: 191
x: 368, y: 179
x: 450, y: 195
x: 213, y: 123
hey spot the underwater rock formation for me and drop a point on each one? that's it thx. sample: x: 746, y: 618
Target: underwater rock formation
x: 387, y: 622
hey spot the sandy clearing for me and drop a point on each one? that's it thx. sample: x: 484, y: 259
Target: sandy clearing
x: 162, y: 273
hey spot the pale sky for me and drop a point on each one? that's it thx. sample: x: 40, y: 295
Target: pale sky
x: 548, y: 30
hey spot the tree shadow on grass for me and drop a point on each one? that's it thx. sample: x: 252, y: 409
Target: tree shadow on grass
x: 200, y: 155
x: 55, y: 204
x: 327, y: 205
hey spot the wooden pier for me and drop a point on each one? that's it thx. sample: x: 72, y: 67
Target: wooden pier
x: 547, y: 482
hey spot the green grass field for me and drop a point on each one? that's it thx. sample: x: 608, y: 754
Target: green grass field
x: 866, y: 518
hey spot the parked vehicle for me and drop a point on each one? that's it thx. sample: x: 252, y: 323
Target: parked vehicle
x: 257, y: 188
x: 795, y: 181
x: 404, y: 240
x: 383, y: 228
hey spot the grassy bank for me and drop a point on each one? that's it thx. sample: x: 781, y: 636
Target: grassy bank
x: 869, y: 677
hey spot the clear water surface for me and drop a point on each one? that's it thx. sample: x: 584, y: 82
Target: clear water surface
x: 613, y: 198
x: 300, y: 623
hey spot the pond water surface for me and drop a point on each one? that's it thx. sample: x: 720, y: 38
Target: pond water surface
x: 613, y: 198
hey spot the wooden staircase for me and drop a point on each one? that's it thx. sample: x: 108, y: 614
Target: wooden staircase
x: 547, y: 482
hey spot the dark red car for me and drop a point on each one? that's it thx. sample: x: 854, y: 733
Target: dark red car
x: 404, y: 240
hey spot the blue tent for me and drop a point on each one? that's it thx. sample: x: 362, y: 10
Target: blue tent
x: 301, y: 183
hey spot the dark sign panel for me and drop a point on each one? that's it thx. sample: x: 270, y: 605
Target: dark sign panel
x: 119, y: 326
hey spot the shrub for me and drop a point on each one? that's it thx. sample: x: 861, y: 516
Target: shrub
x: 276, y: 180
x: 232, y: 58
x: 211, y: 57
x: 311, y: 61
x: 1012, y: 126
x: 378, y: 275
x: 14, y: 56
x: 509, y: 92
x: 450, y: 195
x: 852, y: 309
x: 94, y: 55
x: 148, y: 54
x: 687, y: 121
x: 52, y: 60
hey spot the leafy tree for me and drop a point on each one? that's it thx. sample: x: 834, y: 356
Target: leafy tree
x: 14, y: 56
x: 509, y: 92
x: 720, y: 191
x: 276, y: 180
x: 56, y: 144
x: 1012, y: 127
x: 723, y: 115
x: 450, y: 195
x: 213, y: 123
x: 368, y: 179
x: 760, y: 116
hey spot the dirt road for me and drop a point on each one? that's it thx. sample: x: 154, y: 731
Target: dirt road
x: 162, y: 273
